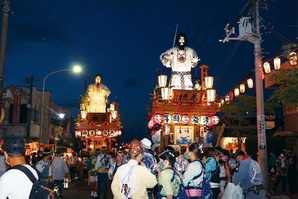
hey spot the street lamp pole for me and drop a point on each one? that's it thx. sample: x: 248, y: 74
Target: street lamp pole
x: 76, y: 69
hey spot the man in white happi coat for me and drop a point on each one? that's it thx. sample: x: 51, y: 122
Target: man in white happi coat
x: 97, y: 96
x: 181, y: 59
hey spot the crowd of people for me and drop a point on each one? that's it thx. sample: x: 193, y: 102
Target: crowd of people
x: 137, y: 172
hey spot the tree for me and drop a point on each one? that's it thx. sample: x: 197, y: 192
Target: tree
x: 239, y: 112
x: 287, y: 90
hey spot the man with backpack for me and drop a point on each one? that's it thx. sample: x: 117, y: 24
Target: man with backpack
x: 14, y: 183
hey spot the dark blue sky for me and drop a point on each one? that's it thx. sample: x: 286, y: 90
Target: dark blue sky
x: 122, y: 41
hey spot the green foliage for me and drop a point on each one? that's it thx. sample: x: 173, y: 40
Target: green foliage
x: 239, y: 112
x: 287, y: 91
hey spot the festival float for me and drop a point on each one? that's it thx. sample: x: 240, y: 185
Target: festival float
x: 97, y: 125
x: 179, y: 117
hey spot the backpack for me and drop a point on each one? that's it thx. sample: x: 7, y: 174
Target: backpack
x: 205, y: 186
x: 40, y: 189
x: 181, y: 191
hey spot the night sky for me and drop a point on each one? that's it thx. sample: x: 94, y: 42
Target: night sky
x: 122, y: 41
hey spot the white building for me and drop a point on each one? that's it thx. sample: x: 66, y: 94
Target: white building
x: 21, y: 112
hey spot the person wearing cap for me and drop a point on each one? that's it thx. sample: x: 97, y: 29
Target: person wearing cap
x: 131, y: 179
x: 44, y: 165
x: 149, y: 161
x: 102, y: 165
x: 92, y: 172
x: 15, y: 183
x: 249, y: 175
x: 59, y: 171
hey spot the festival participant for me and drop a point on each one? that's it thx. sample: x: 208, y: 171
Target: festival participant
x: 249, y: 175
x: 102, y: 165
x: 168, y: 179
x: 181, y: 59
x: 93, y: 172
x: 281, y: 165
x: 193, y: 175
x: 97, y: 96
x: 44, y: 165
x: 131, y: 179
x: 119, y: 161
x: 15, y: 183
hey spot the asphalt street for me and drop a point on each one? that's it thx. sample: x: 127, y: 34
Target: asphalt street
x: 81, y: 190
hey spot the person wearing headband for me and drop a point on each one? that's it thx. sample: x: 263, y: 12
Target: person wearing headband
x: 132, y: 180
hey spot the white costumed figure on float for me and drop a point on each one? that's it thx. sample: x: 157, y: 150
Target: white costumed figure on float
x: 181, y: 59
x: 97, y: 95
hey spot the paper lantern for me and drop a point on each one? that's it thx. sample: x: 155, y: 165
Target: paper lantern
x: 236, y: 92
x: 250, y: 83
x: 91, y: 132
x: 150, y: 124
x: 162, y: 81
x: 105, y: 133
x: 267, y: 68
x: 166, y: 118
x: 165, y: 93
x: 209, y: 82
x: 204, y: 120
x: 242, y: 88
x: 185, y: 119
x: 157, y: 119
x: 215, y: 119
x: 195, y: 119
x: 276, y: 62
x: 293, y: 58
x: 98, y: 132
x: 176, y: 118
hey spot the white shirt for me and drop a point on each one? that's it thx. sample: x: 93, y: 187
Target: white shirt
x: 15, y: 184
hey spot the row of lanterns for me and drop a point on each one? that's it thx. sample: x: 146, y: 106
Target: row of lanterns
x: 292, y: 60
x: 86, y: 133
x: 185, y: 119
x: 166, y: 92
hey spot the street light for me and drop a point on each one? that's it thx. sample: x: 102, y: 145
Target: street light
x: 75, y: 69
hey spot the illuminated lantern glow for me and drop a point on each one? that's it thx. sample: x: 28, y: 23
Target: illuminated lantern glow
x: 162, y: 80
x: 209, y: 82
x: 227, y: 98
x: 250, y: 83
x: 231, y: 96
x: 276, y: 62
x: 98, y: 132
x: 211, y: 95
x: 166, y: 118
x: 112, y: 132
x: 195, y: 119
x: 91, y: 132
x: 236, y: 92
x: 165, y: 93
x: 157, y: 119
x: 176, y: 118
x: 204, y: 120
x: 167, y: 129
x: 84, y: 133
x: 267, y: 68
x: 150, y: 124
x: 78, y: 133
x: 242, y: 88
x: 185, y: 119
x: 210, y: 122
x: 119, y: 132
x: 105, y: 133
x: 293, y: 58
x: 215, y: 119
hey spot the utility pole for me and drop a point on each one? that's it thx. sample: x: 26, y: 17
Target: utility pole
x: 251, y: 32
x: 29, y: 106
x: 5, y: 10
